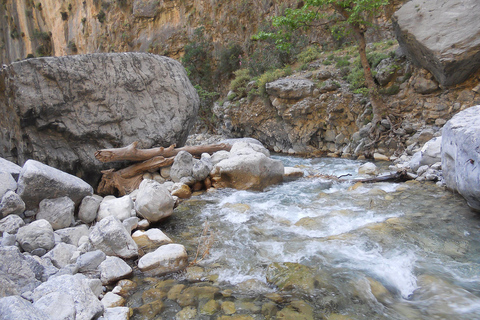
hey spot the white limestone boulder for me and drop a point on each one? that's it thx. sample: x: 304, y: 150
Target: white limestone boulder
x: 121, y: 208
x: 166, y: 259
x: 38, y: 234
x: 58, y: 306
x: 11, y: 203
x: 113, y: 269
x: 109, y: 235
x: 151, y: 239
x: 154, y: 201
x: 59, y: 212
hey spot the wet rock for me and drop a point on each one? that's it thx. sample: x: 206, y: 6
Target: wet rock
x: 228, y: 307
x: 114, y: 269
x: 166, y: 259
x: 15, y: 307
x: 148, y: 90
x: 420, y: 24
x: 109, y: 236
x: 151, y: 239
x: 6, y: 183
x: 11, y: 203
x: 298, y: 309
x: 290, y: 88
x: 153, y: 295
x: 38, y: 181
x: 90, y: 261
x: 150, y: 310
x: 11, y: 224
x: 183, y: 192
x: 121, y: 208
x: 188, y: 313
x: 72, y: 235
x: 368, y: 168
x: 460, y: 155
x: 112, y: 300
x: 291, y: 276
x: 124, y: 287
x: 61, y: 254
x: 154, y: 202
x: 57, y: 306
x: 88, y: 210
x: 86, y: 303
x: 15, y: 268
x: 38, y: 234
x: 59, y: 212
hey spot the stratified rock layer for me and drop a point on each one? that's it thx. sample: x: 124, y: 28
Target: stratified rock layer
x: 442, y: 36
x: 60, y: 110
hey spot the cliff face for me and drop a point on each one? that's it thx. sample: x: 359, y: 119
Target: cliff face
x: 63, y: 27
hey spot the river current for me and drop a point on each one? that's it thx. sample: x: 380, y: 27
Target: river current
x: 315, y: 248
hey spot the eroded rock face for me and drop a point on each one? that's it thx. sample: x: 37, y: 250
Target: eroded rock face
x: 60, y: 110
x: 461, y: 155
x: 442, y: 36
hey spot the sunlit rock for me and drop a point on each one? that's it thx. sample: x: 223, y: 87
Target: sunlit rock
x: 166, y: 259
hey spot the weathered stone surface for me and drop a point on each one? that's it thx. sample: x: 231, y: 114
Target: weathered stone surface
x: 461, y: 155
x: 182, y: 167
x: 60, y: 255
x: 89, y: 208
x: 442, y: 36
x: 59, y: 212
x: 38, y: 181
x: 11, y: 203
x: 90, y: 261
x: 38, y: 234
x: 117, y: 313
x: 151, y: 239
x: 10, y: 167
x: 154, y: 202
x: 15, y: 307
x: 86, y: 303
x: 110, y: 236
x: 11, y: 224
x: 14, y: 266
x: 430, y: 153
x: 121, y: 208
x: 166, y: 259
x: 60, y: 110
x: 114, y: 269
x: 253, y: 171
x: 290, y: 88
x: 72, y: 235
x: 368, y: 168
x: 291, y: 173
x: 6, y: 183
x: 58, y: 306
x: 112, y: 300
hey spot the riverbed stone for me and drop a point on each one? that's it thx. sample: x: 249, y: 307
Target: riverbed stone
x: 73, y: 235
x: 61, y: 254
x: 7, y: 182
x: 117, y: 313
x: 461, y: 156
x: 151, y: 239
x: 368, y: 168
x: 110, y: 236
x: 37, y: 181
x: 291, y: 173
x: 182, y: 167
x: 88, y: 210
x: 112, y: 300
x: 15, y: 268
x: 10, y: 167
x: 15, y: 307
x: 166, y: 259
x: 59, y: 212
x: 58, y: 306
x: 86, y: 304
x: 114, y: 269
x: 121, y: 208
x: 90, y: 261
x: 11, y: 224
x: 289, y: 276
x: 154, y: 201
x: 38, y: 234
x: 11, y: 203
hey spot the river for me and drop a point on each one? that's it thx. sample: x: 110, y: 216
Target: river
x: 314, y: 248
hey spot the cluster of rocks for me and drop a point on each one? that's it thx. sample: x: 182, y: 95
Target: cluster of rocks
x: 63, y: 247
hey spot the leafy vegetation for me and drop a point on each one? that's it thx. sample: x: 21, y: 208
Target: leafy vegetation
x: 309, y: 54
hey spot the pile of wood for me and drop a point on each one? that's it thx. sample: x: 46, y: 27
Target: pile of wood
x: 124, y: 181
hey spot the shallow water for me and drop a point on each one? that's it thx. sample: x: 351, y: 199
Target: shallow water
x: 372, y: 251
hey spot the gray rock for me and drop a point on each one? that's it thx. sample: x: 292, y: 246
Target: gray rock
x: 154, y: 202
x: 10, y: 167
x: 11, y: 224
x: 42, y: 268
x: 15, y: 307
x: 121, y: 208
x: 72, y: 235
x: 89, y: 208
x: 14, y: 266
x: 96, y: 286
x: 148, y: 99
x: 219, y: 156
x: 90, y: 261
x: 114, y: 269
x: 290, y: 88
x: 60, y: 255
x: 111, y: 300
x: 110, y: 236
x: 385, y: 71
x: 8, y: 239
x: 425, y: 86
x: 244, y: 148
x: 58, y: 306
x: 6, y: 183
x: 11, y: 203
x: 86, y: 303
x: 166, y: 259
x: 117, y: 313
x: 419, y: 25
x: 69, y: 269
x: 38, y: 181
x: 182, y: 166
x: 130, y: 223
x: 145, y: 8
x: 7, y: 286
x: 38, y: 234
x: 59, y: 212
x: 461, y: 155
x: 201, y: 169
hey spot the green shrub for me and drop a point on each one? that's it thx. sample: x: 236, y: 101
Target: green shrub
x: 271, y: 76
x: 229, y: 60
x: 197, y: 60
x: 72, y: 46
x: 374, y: 58
x: 390, y: 91
x: 356, y: 77
x: 101, y: 16
x: 309, y: 54
x: 64, y: 15
x: 239, y: 84
x: 343, y: 62
x: 40, y: 35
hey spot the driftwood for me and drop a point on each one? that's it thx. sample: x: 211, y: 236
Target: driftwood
x: 131, y: 153
x: 399, y: 176
x: 128, y: 179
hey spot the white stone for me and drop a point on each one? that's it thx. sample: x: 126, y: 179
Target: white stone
x: 61, y: 254
x: 380, y: 157
x: 59, y: 212
x: 72, y: 235
x: 154, y: 201
x: 57, y: 306
x: 245, y: 148
x: 11, y: 224
x: 166, y: 259
x: 89, y: 208
x: 15, y: 307
x: 121, y: 208
x: 38, y: 234
x: 114, y: 269
x: 117, y: 313
x: 112, y: 300
x: 368, y: 168
x: 110, y: 236
x: 11, y: 203
x: 90, y: 261
x: 150, y: 239
x: 291, y: 173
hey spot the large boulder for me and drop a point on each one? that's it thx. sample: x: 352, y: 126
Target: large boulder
x: 121, y: 208
x: 442, y: 36
x: 59, y: 212
x: 14, y: 267
x: 6, y: 183
x: 60, y: 110
x: 290, y: 88
x: 38, y: 181
x: 15, y: 307
x: 110, y: 236
x: 36, y: 235
x: 154, y: 202
x: 461, y: 155
x: 166, y: 259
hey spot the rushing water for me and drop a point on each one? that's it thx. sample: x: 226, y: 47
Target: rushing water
x: 371, y: 251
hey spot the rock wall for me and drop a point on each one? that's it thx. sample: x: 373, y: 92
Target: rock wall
x: 61, y: 110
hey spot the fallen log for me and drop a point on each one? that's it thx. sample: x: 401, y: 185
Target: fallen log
x: 131, y: 153
x: 399, y: 176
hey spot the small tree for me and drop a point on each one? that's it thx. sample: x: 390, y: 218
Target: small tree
x: 354, y: 16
